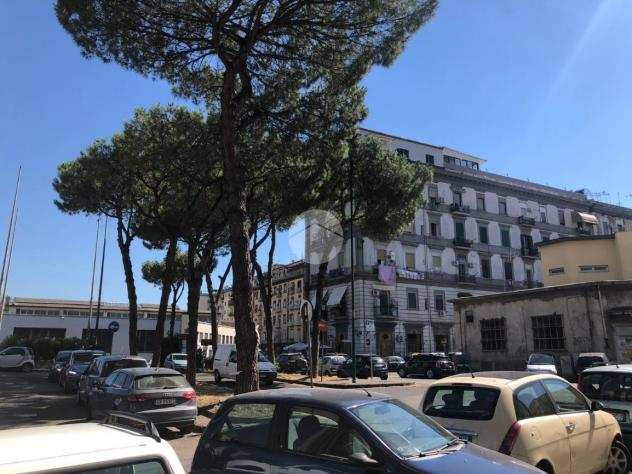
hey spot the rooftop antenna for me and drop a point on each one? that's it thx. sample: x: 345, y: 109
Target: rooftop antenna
x: 368, y: 394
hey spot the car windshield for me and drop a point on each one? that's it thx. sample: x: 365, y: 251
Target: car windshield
x: 543, y: 359
x: 160, y: 381
x: 337, y: 359
x: 179, y: 356
x: 113, y: 365
x: 86, y: 356
x: 587, y: 361
x: 261, y: 357
x: 377, y: 360
x: 466, y: 403
x: 79, y: 368
x: 405, y: 431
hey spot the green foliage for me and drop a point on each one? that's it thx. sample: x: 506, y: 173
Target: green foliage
x: 44, y: 348
x: 10, y: 340
x: 153, y: 271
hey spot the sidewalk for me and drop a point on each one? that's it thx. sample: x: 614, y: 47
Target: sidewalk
x: 336, y: 382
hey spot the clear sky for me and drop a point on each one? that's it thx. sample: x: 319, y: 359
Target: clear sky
x: 542, y: 90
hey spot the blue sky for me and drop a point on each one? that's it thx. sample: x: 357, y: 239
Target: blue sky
x: 542, y: 90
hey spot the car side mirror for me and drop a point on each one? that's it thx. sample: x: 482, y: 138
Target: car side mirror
x: 596, y: 405
x: 362, y: 458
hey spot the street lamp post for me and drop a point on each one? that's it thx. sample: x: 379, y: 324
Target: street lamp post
x: 308, y: 319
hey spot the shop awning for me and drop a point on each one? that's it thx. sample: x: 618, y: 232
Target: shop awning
x: 335, y: 295
x: 587, y: 218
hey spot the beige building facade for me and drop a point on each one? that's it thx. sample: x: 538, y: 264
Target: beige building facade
x: 587, y: 258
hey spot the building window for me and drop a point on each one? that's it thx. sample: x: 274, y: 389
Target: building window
x: 439, y: 297
x: 505, y: 238
x: 508, y: 265
x: 493, y: 334
x: 548, y: 332
x: 434, y: 229
x: 545, y: 238
x: 457, y: 197
x: 411, y: 294
x: 482, y: 234
x: 556, y: 271
x: 480, y: 202
x: 402, y: 152
x: 486, y: 268
x: 410, y: 260
x: 411, y: 227
x: 430, y: 159
x: 459, y: 230
x: 381, y: 255
x: 524, y: 209
x: 560, y: 216
x: 606, y: 227
x: 542, y: 214
x: 436, y: 262
x: 502, y: 207
x: 593, y: 268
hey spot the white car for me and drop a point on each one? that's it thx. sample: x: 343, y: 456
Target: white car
x: 176, y: 362
x: 123, y: 443
x: 17, y: 358
x: 541, y: 363
x: 331, y: 363
x: 540, y: 419
x: 225, y: 365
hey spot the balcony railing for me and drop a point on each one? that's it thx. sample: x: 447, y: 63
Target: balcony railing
x: 584, y: 231
x: 530, y: 252
x: 462, y: 243
x: 459, y: 208
x: 381, y: 310
x: 525, y: 220
x: 469, y: 279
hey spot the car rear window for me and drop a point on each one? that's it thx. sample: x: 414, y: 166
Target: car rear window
x: 607, y: 386
x: 467, y: 403
x: 113, y: 365
x: 160, y: 381
x: 587, y: 361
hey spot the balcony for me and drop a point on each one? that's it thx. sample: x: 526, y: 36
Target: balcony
x: 466, y: 279
x: 529, y: 252
x: 524, y: 220
x: 386, y: 312
x: 409, y: 238
x: 457, y: 208
x: 581, y: 231
x: 462, y: 243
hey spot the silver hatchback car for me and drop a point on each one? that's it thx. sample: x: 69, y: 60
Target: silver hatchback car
x: 162, y: 395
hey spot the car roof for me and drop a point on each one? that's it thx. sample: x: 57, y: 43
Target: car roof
x: 324, y: 397
x: 620, y: 368
x: 142, y: 371
x: 109, y: 358
x: 499, y: 379
x: 88, y: 351
x: 55, y: 444
x: 592, y: 354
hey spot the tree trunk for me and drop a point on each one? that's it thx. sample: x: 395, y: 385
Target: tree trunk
x: 214, y: 328
x: 124, y: 246
x: 320, y: 283
x: 172, y: 321
x: 194, y: 283
x: 159, y: 334
x: 266, y: 298
x: 268, y: 284
x: 246, y: 337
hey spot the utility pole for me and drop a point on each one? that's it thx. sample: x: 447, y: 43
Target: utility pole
x: 353, y: 331
x: 96, y: 325
x: 8, y: 248
x: 94, y: 267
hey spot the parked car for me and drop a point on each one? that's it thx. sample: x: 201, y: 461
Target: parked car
x: 161, y: 395
x: 225, y: 365
x: 586, y: 360
x: 611, y: 385
x: 73, y: 376
x: 58, y: 362
x: 17, y: 357
x: 78, y: 357
x: 337, y: 432
x: 176, y: 362
x: 394, y: 363
x: 122, y: 444
x: 291, y: 362
x: 331, y: 363
x: 538, y: 418
x: 461, y: 362
x: 365, y: 366
x: 100, y: 368
x: 430, y: 365
x: 541, y: 363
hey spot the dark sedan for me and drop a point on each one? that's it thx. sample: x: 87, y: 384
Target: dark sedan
x: 431, y: 365
x: 60, y: 361
x: 365, y: 367
x: 394, y: 363
x: 73, y: 376
x: 162, y: 395
x: 337, y: 432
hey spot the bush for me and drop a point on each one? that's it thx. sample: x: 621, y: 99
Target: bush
x: 44, y: 348
x: 10, y: 341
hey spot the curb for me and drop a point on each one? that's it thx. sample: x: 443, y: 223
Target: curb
x: 346, y: 386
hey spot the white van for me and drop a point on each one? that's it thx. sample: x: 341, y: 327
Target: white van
x: 225, y: 365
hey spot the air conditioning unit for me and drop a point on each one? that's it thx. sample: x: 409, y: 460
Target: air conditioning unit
x: 375, y: 293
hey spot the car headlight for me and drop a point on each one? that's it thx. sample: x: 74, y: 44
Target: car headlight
x: 620, y: 416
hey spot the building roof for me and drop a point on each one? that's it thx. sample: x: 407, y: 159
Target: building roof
x: 321, y: 396
x: 519, y: 294
x: 578, y: 238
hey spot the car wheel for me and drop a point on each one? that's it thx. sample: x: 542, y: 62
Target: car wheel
x: 27, y: 367
x: 402, y: 373
x: 217, y: 376
x: 89, y: 414
x: 384, y: 376
x: 619, y: 459
x: 430, y: 374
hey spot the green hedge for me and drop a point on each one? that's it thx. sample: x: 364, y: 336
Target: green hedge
x: 44, y: 348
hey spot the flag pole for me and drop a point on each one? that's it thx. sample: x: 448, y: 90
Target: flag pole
x: 8, y: 248
x: 94, y: 268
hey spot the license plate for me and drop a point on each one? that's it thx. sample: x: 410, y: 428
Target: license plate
x: 165, y: 401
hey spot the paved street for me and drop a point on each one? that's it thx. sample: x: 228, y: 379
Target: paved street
x: 30, y: 400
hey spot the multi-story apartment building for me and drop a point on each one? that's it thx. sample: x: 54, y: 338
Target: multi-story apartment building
x: 476, y: 235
